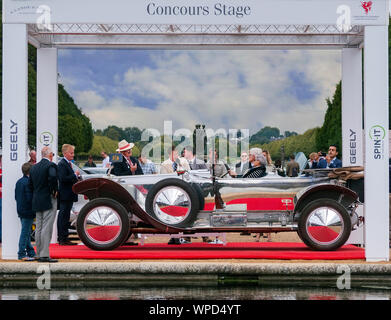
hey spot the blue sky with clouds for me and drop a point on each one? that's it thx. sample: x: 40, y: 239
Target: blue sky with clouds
x: 239, y: 89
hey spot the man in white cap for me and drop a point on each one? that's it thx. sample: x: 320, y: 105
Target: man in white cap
x: 129, y: 165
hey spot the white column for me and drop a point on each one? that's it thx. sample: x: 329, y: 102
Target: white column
x: 376, y: 143
x: 47, y: 106
x: 47, y: 101
x: 352, y: 128
x: 15, y: 74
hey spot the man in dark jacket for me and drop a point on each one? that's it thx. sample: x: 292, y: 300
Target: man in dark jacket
x: 244, y: 164
x: 67, y: 178
x: 24, y: 199
x: 331, y: 160
x: 44, y: 185
x: 194, y: 162
x: 129, y: 165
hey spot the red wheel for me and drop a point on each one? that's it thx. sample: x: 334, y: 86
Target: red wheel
x: 103, y: 224
x: 173, y: 202
x: 324, y: 225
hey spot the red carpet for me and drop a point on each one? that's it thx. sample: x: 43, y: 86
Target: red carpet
x: 248, y: 250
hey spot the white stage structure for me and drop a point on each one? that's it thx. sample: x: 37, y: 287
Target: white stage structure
x: 349, y: 26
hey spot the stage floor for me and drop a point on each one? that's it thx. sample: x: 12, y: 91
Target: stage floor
x: 280, y: 247
x: 204, y: 251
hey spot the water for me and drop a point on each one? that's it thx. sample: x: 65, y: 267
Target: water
x: 196, y: 293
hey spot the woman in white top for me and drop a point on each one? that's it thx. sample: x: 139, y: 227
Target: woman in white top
x: 269, y: 164
x: 106, y: 160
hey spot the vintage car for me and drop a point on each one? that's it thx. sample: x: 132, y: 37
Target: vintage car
x: 318, y: 205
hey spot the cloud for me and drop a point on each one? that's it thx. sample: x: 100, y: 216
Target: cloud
x: 222, y: 89
x: 90, y: 100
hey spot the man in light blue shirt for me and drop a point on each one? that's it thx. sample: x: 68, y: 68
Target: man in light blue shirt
x: 147, y: 165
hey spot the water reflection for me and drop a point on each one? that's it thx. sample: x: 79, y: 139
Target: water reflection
x: 202, y: 293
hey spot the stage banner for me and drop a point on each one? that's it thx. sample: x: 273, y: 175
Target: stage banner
x: 376, y: 187
x: 47, y: 101
x: 352, y: 108
x: 318, y: 12
x: 14, y: 125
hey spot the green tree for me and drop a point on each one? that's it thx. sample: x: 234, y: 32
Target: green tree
x: 331, y: 131
x: 265, y: 135
x: 101, y: 143
x: 114, y: 133
x: 132, y: 134
x: 98, y: 132
x: 289, y: 133
x: 32, y: 106
x: 71, y: 129
x: 67, y: 107
x: 295, y: 143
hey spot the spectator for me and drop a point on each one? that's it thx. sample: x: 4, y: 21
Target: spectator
x: 67, y: 178
x: 129, y: 165
x: 90, y: 163
x: 311, y: 162
x: 292, y: 168
x: 279, y: 169
x: 331, y: 161
x: 33, y: 157
x: 321, y: 157
x: 258, y: 164
x: 174, y: 163
x: 24, y: 198
x: 44, y: 185
x: 328, y: 159
x: 147, y: 165
x: 216, y: 166
x: 194, y: 163
x: 314, y: 158
x: 243, y: 165
x: 106, y: 160
x: 171, y: 165
x: 269, y: 163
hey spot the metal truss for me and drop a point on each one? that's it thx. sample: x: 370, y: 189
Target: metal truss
x: 145, y: 35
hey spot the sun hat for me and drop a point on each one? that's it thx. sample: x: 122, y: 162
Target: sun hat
x: 124, y: 145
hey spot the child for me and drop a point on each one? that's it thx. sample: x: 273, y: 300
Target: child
x: 23, y: 197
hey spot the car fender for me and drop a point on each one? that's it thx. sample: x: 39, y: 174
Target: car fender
x: 106, y: 188
x: 343, y: 195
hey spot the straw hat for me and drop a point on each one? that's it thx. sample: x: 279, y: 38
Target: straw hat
x: 124, y: 145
